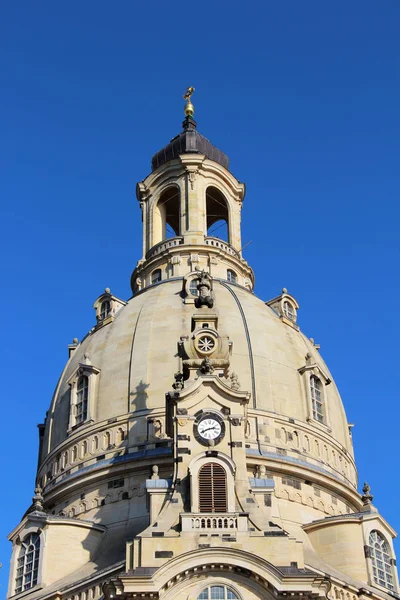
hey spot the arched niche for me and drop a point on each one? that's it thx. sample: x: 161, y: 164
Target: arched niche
x: 166, y: 220
x: 217, y: 214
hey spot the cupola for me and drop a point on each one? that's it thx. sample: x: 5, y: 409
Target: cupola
x: 191, y: 212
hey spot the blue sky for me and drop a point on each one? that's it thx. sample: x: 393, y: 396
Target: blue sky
x: 304, y: 98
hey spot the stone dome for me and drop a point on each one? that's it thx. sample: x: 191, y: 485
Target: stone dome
x: 136, y: 359
x: 196, y: 444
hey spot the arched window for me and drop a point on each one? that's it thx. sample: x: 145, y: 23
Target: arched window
x: 82, y: 391
x: 105, y: 309
x: 288, y: 310
x: 193, y: 287
x: 120, y: 435
x: 217, y: 592
x: 106, y: 440
x: 217, y: 214
x: 316, y: 398
x: 212, y: 488
x: 156, y: 276
x: 381, y: 563
x: 166, y: 215
x: 231, y: 276
x: 28, y: 563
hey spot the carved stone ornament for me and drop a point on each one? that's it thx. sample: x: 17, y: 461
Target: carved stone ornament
x: 205, y: 341
x: 261, y: 471
x: 192, y: 178
x: 367, y: 496
x: 235, y: 383
x: 178, y: 385
x: 37, y: 501
x: 206, y: 367
x: 205, y: 297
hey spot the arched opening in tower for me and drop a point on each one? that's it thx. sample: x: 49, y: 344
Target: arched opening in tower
x: 167, y: 215
x: 217, y: 214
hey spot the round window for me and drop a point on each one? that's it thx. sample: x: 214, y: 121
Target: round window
x: 205, y: 344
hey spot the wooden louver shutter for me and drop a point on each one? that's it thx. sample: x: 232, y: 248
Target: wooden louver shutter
x: 212, y: 488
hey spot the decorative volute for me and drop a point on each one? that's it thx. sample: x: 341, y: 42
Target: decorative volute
x: 189, y: 195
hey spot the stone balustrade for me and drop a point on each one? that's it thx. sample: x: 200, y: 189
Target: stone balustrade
x: 164, y: 245
x: 214, y: 522
x: 220, y: 244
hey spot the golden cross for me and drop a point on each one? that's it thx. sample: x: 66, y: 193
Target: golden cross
x: 188, y: 93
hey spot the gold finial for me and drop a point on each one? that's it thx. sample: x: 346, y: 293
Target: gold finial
x: 189, y: 108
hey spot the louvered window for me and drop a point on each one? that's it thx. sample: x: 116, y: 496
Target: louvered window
x: 212, y: 488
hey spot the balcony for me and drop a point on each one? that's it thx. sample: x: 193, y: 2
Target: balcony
x: 213, y: 242
x: 164, y: 245
x: 221, y: 245
x: 214, y: 522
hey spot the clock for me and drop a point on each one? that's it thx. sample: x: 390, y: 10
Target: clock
x: 209, y: 429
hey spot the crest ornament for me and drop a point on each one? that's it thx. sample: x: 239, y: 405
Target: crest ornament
x: 367, y: 497
x: 206, y: 367
x: 235, y: 383
x: 205, y: 297
x: 178, y: 385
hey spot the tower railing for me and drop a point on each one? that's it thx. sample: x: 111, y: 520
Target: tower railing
x: 164, y: 245
x: 218, y: 243
x: 213, y: 242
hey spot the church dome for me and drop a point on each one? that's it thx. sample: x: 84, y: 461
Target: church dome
x: 135, y: 359
x: 196, y: 444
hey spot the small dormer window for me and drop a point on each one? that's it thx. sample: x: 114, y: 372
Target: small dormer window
x: 317, y: 398
x: 231, y: 276
x: 286, y: 307
x: 82, y: 394
x: 105, y: 309
x: 83, y: 384
x: 288, y: 310
x: 156, y: 276
x: 107, y: 306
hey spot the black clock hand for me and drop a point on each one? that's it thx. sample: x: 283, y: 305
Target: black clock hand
x: 204, y: 430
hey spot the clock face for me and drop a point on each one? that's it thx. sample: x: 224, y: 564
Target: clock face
x: 209, y: 428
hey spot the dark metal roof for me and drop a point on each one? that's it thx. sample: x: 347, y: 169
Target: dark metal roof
x: 189, y: 141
